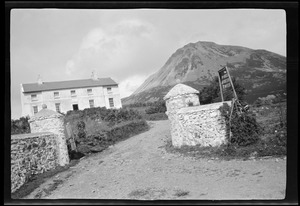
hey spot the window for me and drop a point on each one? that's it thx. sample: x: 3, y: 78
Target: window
x: 73, y: 93
x: 34, y: 97
x: 91, y: 101
x: 111, y: 102
x: 57, y: 107
x: 109, y: 90
x: 89, y: 91
x: 35, y: 109
x: 56, y: 95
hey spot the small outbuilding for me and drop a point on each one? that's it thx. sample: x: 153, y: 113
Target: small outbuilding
x: 181, y: 96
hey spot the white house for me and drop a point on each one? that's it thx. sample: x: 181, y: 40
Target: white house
x: 63, y: 96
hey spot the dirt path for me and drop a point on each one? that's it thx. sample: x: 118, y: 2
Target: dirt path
x: 140, y: 168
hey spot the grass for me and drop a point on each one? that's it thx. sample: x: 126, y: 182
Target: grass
x: 35, y: 181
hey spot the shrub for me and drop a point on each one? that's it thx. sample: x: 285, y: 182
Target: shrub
x: 157, y: 107
x: 115, y: 116
x: 81, y: 130
x: 156, y: 116
x: 126, y: 130
x: 245, y: 130
x: 20, y: 126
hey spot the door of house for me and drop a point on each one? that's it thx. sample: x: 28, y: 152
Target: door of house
x: 75, y: 106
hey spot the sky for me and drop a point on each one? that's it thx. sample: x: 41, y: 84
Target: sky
x: 126, y: 45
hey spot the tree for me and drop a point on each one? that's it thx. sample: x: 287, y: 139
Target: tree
x: 211, y: 93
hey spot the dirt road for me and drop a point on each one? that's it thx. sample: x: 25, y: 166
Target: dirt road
x: 140, y: 168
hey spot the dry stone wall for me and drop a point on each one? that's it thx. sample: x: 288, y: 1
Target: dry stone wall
x: 200, y: 125
x: 31, y: 154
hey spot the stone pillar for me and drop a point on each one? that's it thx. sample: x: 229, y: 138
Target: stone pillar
x: 50, y: 121
x: 180, y: 96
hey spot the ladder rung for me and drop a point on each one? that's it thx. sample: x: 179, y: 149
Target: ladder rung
x: 225, y: 83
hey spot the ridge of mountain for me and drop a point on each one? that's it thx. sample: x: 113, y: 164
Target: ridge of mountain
x: 260, y: 71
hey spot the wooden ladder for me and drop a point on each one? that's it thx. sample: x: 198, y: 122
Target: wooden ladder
x: 225, y: 83
x: 226, y: 87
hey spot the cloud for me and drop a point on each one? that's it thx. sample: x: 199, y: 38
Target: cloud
x: 112, y: 50
x: 129, y: 85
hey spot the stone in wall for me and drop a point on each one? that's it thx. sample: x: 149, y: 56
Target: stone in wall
x: 49, y: 121
x: 31, y: 154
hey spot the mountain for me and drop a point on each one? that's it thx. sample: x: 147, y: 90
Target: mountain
x: 261, y: 72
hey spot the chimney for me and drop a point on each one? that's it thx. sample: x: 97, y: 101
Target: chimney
x: 40, y: 80
x: 94, y: 76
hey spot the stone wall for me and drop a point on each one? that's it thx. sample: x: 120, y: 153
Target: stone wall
x: 31, y: 154
x: 199, y: 125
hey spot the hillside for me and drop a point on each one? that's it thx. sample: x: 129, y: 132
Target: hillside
x: 261, y: 72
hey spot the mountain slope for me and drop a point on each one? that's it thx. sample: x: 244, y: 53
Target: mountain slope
x: 261, y: 72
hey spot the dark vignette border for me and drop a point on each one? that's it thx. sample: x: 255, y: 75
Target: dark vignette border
x: 291, y: 9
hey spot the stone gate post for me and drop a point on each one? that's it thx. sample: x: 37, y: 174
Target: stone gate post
x: 50, y: 121
x: 180, y: 96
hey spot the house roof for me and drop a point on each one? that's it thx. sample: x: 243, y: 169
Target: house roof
x: 46, y: 86
x: 180, y: 89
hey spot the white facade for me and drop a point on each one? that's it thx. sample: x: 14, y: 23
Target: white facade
x: 101, y: 96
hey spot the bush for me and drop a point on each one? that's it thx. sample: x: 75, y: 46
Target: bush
x: 81, y: 130
x: 125, y: 130
x: 245, y: 130
x: 112, y: 116
x: 156, y: 116
x: 157, y: 107
x: 115, y: 116
x: 20, y: 126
